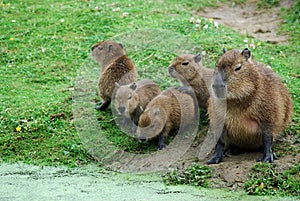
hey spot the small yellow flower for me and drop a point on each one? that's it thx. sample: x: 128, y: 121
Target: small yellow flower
x: 18, y: 129
x: 11, y: 39
x: 211, y: 19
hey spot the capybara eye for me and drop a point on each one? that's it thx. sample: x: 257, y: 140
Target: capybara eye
x: 185, y: 63
x: 238, y: 67
x: 100, y: 48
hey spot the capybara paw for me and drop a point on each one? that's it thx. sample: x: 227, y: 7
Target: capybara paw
x: 97, y: 107
x: 102, y: 107
x: 266, y: 158
x: 161, y: 146
x: 214, y: 160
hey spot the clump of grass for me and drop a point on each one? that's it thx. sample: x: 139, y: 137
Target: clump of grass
x: 195, y: 175
x: 266, y: 180
x: 262, y: 4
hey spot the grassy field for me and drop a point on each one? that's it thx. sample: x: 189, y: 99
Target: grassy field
x: 44, y: 45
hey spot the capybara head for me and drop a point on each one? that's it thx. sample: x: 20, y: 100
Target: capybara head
x: 183, y: 66
x: 126, y: 100
x: 235, y: 75
x: 107, y: 51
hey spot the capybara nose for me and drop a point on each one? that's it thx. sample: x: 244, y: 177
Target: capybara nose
x: 220, y: 86
x: 121, y: 109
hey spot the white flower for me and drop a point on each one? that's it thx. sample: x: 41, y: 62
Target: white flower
x: 192, y: 20
x: 272, y: 58
x: 96, y: 8
x: 198, y: 21
x: 62, y: 20
x: 252, y: 46
x: 203, y: 53
x: 245, y: 41
x: 13, y: 21
x: 205, y: 26
x: 197, y: 25
x: 125, y: 14
x: 116, y: 9
x: 216, y: 24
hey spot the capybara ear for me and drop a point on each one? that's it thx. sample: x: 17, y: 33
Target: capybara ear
x: 246, y: 53
x: 224, y: 50
x: 197, y: 58
x: 121, y: 45
x: 110, y: 48
x: 94, y: 46
x: 133, y: 86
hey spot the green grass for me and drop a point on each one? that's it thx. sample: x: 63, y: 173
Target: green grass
x: 266, y: 180
x: 44, y: 45
x: 262, y: 4
x: 195, y: 175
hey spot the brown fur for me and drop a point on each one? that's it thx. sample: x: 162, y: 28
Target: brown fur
x: 132, y: 99
x: 188, y: 69
x: 173, y: 108
x: 259, y: 106
x: 115, y: 67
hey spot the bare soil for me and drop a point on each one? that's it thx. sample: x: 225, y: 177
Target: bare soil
x: 247, y: 19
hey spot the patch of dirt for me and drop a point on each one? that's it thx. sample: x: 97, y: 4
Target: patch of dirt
x: 247, y: 19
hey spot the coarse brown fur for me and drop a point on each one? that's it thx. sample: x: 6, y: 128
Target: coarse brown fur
x: 173, y: 108
x: 259, y: 106
x: 188, y: 69
x: 115, y: 66
x: 131, y: 100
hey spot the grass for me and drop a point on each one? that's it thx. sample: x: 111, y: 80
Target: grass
x: 267, y: 180
x: 195, y: 175
x: 262, y: 4
x: 45, y: 44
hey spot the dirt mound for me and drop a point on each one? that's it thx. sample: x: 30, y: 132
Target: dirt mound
x: 249, y: 20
